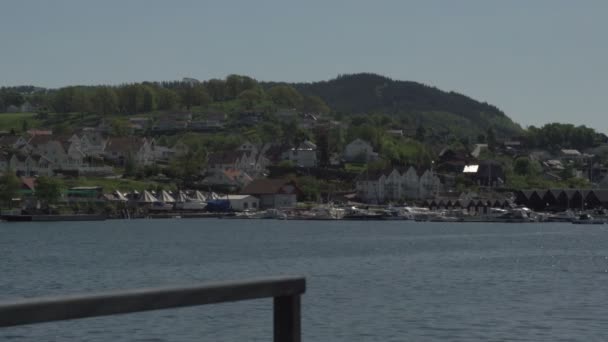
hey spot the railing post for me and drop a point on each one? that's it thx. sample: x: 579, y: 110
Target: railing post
x: 287, y: 325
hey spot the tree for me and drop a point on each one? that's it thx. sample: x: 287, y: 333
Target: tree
x: 491, y: 138
x: 216, y: 89
x: 314, y: 104
x: 105, y: 101
x: 48, y: 190
x: 284, y: 95
x: 167, y: 99
x: 119, y: 128
x: 194, y: 95
x: 188, y: 166
x: 9, y: 188
x: 522, y: 166
x: 249, y: 98
x: 420, y: 133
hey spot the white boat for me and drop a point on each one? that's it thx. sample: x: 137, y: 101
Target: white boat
x: 587, y: 219
x: 564, y: 216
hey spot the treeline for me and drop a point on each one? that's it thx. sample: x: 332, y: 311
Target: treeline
x: 555, y: 136
x: 146, y: 97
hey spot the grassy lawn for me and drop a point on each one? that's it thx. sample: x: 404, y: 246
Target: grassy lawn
x: 14, y: 121
x: 110, y: 185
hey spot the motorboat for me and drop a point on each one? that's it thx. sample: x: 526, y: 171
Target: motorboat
x: 564, y: 216
x: 586, y: 218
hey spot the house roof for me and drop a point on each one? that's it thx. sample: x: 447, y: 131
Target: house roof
x: 39, y: 132
x: 237, y: 197
x: 9, y: 140
x: 28, y: 183
x: 124, y: 144
x: 226, y: 157
x: 571, y: 152
x: 265, y: 186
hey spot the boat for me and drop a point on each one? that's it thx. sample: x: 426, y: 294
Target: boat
x: 358, y: 214
x: 564, y: 216
x: 396, y: 214
x: 325, y: 213
x: 585, y: 218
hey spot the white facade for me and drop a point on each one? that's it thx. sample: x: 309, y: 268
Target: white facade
x: 243, y: 202
x: 396, y: 186
x: 359, y: 150
x: 305, y: 155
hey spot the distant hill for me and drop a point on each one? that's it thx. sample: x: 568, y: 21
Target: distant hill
x: 418, y: 103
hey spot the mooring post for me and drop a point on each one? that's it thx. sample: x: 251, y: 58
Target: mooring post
x: 287, y: 321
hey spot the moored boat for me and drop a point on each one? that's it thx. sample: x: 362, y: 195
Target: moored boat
x: 587, y: 219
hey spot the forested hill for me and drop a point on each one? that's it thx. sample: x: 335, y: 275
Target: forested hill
x: 418, y: 103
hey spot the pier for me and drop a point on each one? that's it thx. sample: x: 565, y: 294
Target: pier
x: 285, y: 291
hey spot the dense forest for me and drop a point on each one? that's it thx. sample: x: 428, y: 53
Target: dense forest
x: 360, y: 98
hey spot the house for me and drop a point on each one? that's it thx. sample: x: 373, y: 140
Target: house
x: 243, y: 202
x: 395, y: 132
x: 486, y: 173
x: 249, y: 118
x: 119, y: 149
x: 62, y: 151
x: 229, y: 180
x: 273, y: 193
x: 247, y: 161
x: 308, y: 121
x: 12, y: 141
x: 92, y: 143
x: 478, y: 149
x: 304, y: 155
x: 164, y: 154
x: 359, y: 150
x: 139, y: 124
x: 453, y: 161
x: 170, y: 124
x: 211, y: 122
x: 287, y: 115
x: 33, y: 132
x: 397, y: 184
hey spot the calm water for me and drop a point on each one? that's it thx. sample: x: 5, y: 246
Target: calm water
x: 367, y: 281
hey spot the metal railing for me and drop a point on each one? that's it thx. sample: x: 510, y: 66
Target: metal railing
x: 285, y: 291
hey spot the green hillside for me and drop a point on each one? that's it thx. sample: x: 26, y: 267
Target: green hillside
x: 414, y: 102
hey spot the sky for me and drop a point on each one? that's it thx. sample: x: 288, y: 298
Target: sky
x: 539, y: 61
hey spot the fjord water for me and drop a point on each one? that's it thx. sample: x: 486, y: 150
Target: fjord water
x: 367, y: 281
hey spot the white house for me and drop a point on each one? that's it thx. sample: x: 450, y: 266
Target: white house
x: 253, y: 163
x: 397, y: 185
x: 359, y: 151
x: 304, y: 155
x: 120, y: 149
x: 243, y: 202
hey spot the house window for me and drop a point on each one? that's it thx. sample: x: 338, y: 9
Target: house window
x: 254, y: 205
x: 245, y: 205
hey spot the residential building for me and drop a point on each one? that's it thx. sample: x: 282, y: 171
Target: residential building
x: 304, y: 155
x: 228, y: 180
x: 397, y: 185
x: 273, y: 193
x: 243, y: 202
x: 119, y: 149
x: 359, y: 151
x: 12, y: 141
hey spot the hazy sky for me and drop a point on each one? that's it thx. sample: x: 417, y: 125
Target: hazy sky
x: 537, y: 60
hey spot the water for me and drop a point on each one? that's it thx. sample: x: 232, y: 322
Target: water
x: 367, y: 281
